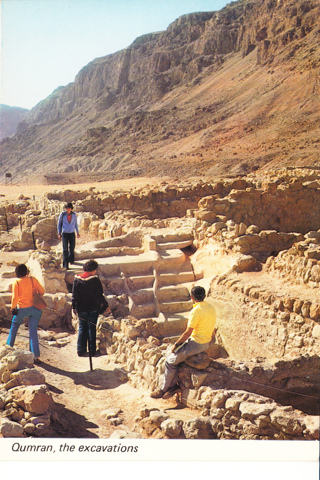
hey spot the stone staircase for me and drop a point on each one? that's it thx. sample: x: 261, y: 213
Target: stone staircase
x: 156, y: 279
x: 157, y: 282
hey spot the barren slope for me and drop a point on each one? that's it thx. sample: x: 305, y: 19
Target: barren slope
x: 215, y: 94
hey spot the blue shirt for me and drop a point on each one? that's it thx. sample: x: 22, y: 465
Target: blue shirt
x: 64, y: 226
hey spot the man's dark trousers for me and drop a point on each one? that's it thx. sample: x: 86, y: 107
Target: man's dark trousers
x: 68, y: 244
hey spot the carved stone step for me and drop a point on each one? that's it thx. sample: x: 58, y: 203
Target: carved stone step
x: 170, y: 260
x: 172, y: 237
x: 175, y: 307
x: 173, y: 324
x: 166, y: 279
x: 173, y: 245
x: 143, y: 296
x: 140, y: 282
x: 114, y: 285
x: 173, y: 293
x: 143, y: 311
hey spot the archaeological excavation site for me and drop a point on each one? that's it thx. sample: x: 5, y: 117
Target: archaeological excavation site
x: 253, y: 243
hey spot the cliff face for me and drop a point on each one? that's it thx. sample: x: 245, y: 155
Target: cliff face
x: 10, y: 117
x: 214, y: 86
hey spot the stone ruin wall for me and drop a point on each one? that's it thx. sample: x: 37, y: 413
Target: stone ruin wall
x: 214, y: 387
x: 273, y: 205
x: 215, y: 214
x: 271, y: 224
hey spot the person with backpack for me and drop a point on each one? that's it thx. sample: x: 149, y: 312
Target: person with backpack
x: 87, y: 302
x: 67, y: 229
x: 22, y: 306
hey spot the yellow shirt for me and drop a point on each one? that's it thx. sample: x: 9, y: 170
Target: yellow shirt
x: 203, y: 320
x: 22, y: 292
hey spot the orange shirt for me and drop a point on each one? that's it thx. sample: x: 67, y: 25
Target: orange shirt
x: 22, y: 292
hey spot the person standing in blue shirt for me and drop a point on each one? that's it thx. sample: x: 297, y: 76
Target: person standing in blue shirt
x: 67, y: 229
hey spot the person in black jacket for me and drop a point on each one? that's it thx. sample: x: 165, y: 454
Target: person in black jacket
x: 87, y: 298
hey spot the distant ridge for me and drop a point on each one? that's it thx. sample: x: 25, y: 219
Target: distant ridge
x: 10, y: 117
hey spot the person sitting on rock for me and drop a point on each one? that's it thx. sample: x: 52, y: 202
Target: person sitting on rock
x: 22, y: 307
x: 195, y: 339
x: 87, y: 299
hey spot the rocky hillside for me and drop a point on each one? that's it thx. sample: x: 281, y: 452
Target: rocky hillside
x: 10, y: 117
x: 217, y: 93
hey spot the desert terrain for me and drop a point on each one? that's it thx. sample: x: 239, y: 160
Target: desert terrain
x: 266, y: 349
x: 191, y: 157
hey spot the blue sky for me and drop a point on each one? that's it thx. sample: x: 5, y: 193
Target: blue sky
x: 44, y: 43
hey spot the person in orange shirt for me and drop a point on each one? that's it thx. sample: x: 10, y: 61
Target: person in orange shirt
x: 22, y: 307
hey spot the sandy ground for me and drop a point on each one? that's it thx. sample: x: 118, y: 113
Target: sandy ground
x: 12, y: 192
x: 81, y: 395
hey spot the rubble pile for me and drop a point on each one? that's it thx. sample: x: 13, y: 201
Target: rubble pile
x: 24, y: 396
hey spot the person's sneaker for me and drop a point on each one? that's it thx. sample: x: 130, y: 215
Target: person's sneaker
x: 171, y: 391
x: 82, y: 354
x: 157, y: 394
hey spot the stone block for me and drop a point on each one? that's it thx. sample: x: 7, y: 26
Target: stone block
x: 30, y: 376
x: 36, y: 399
x: 251, y: 410
x: 158, y: 416
x: 286, y: 423
x: 198, y: 428
x: 199, y: 361
x: 10, y: 429
x: 171, y: 427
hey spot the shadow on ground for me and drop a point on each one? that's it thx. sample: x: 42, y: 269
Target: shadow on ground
x: 98, y: 379
x: 67, y: 424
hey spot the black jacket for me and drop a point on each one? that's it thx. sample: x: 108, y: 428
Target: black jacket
x: 87, y: 294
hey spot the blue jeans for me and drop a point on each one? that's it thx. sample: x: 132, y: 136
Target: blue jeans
x: 68, y: 244
x: 87, y: 332
x: 34, y: 315
x: 189, y: 348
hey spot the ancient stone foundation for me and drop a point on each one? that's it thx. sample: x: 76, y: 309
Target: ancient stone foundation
x: 214, y: 387
x: 253, y: 243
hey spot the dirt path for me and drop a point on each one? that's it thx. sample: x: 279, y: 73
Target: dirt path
x: 81, y: 395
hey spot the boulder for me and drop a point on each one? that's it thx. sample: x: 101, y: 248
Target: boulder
x: 171, y: 427
x: 10, y: 429
x: 250, y: 410
x: 35, y: 399
x: 205, y: 215
x: 285, y: 422
x: 158, y: 416
x: 252, y: 229
x: 312, y: 425
x: 29, y: 376
x: 198, y: 428
x: 215, y: 227
x: 245, y: 263
x: 199, y: 361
